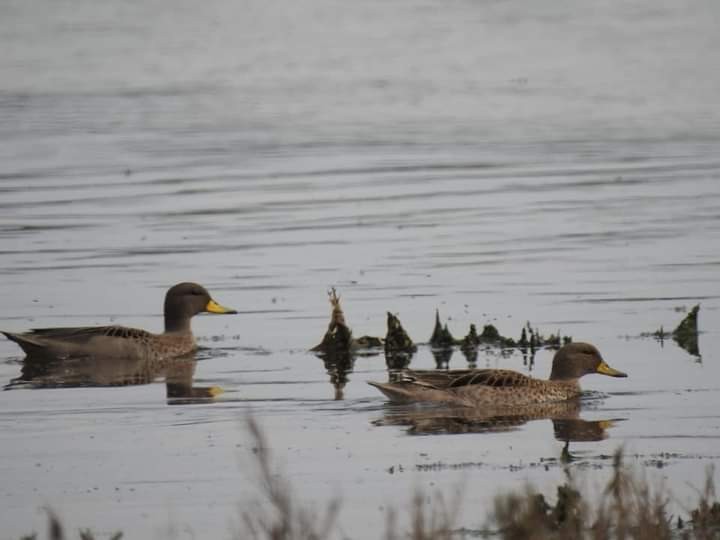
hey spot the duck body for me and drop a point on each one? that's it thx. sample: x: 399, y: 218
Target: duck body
x: 492, y: 388
x: 105, y: 341
x: 476, y: 388
x: 182, y: 302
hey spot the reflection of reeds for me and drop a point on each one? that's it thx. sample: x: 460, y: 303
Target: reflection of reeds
x: 628, y: 508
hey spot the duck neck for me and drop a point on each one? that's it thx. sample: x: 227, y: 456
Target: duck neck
x: 557, y: 374
x: 177, y: 325
x: 572, y: 385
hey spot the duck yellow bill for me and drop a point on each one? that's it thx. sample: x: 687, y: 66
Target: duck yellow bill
x: 604, y: 369
x: 214, y: 307
x: 215, y: 391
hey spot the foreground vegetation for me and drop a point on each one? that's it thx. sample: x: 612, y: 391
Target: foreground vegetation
x: 628, y: 508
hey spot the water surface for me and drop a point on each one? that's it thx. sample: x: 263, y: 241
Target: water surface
x: 500, y: 161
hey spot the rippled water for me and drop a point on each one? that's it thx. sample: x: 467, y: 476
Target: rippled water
x: 500, y: 161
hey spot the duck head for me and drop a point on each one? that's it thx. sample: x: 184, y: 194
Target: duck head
x: 574, y: 360
x: 185, y: 300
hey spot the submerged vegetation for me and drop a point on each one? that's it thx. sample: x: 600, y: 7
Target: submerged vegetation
x: 338, y: 347
x: 441, y: 336
x: 338, y: 339
x: 397, y: 340
x: 685, y: 334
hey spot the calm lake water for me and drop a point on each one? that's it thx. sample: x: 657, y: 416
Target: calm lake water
x: 502, y: 162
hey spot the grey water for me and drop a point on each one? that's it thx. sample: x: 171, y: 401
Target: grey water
x: 501, y: 161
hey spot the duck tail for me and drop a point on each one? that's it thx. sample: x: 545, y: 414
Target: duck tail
x: 396, y: 392
x: 31, y: 346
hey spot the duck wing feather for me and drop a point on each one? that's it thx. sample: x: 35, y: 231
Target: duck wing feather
x: 496, y: 378
x: 85, y: 333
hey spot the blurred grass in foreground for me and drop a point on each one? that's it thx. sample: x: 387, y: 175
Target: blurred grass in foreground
x: 628, y: 508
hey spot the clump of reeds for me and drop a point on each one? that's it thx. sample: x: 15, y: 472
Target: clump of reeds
x: 437, y: 523
x: 628, y: 508
x: 56, y: 531
x: 289, y: 518
x: 338, y: 337
x: 685, y: 334
x: 286, y: 518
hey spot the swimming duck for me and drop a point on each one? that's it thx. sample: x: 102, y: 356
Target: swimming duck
x: 500, y: 387
x: 182, y: 302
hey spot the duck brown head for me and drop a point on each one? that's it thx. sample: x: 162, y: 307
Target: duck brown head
x: 185, y: 300
x: 574, y: 360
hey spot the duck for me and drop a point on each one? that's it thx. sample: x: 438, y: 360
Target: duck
x: 182, y: 302
x: 494, y: 388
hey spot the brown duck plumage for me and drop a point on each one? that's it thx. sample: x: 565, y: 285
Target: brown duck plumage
x: 182, y: 302
x: 501, y: 387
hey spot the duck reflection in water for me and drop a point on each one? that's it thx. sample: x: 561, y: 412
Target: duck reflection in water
x: 107, y: 372
x: 489, y: 400
x: 438, y: 419
x: 72, y: 357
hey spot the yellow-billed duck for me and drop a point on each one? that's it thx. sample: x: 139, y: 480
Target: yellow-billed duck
x: 182, y: 302
x: 500, y: 387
